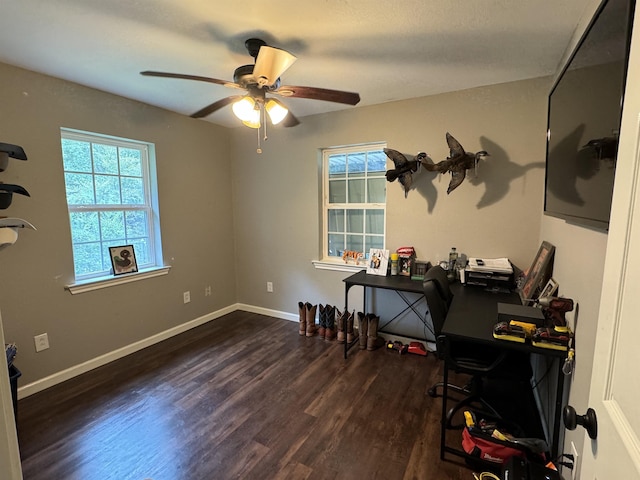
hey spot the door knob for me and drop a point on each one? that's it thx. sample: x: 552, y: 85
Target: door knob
x: 589, y: 420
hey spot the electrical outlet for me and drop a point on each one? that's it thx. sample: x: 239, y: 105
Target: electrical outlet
x: 574, y: 452
x: 186, y: 297
x: 270, y: 287
x: 41, y: 341
x: 207, y: 291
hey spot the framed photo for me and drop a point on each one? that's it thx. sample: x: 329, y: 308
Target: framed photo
x: 123, y: 259
x: 549, y: 289
x: 419, y: 269
x: 538, y: 274
x: 378, y: 261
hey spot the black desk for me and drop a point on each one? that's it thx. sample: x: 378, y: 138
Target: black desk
x: 398, y: 283
x: 471, y: 317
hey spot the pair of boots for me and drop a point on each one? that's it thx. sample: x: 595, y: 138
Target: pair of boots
x: 327, y: 319
x: 307, y: 320
x: 368, y: 330
x: 347, y: 318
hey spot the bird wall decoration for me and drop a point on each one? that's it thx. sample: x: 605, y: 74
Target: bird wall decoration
x: 404, y: 168
x: 457, y: 163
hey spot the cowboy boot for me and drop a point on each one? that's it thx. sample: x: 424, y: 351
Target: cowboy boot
x: 363, y: 324
x: 373, y: 341
x: 322, y: 321
x: 342, y: 317
x: 350, y: 335
x: 303, y: 318
x: 311, y: 319
x: 330, y: 323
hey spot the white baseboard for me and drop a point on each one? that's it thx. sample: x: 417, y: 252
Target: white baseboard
x: 84, y: 367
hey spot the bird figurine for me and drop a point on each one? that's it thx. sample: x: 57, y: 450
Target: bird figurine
x: 457, y: 163
x: 123, y: 259
x: 404, y: 168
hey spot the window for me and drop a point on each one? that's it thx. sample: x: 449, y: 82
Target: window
x: 112, y: 199
x: 354, y: 193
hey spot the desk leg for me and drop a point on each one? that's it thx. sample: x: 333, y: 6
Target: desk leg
x: 344, y: 326
x: 443, y: 417
x: 557, y: 414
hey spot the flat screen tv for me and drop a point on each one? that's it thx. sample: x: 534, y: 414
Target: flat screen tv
x: 584, y: 115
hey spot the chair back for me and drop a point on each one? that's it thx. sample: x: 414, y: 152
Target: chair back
x: 438, y: 307
x: 438, y: 275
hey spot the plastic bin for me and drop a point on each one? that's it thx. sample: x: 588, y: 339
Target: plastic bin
x: 14, y: 374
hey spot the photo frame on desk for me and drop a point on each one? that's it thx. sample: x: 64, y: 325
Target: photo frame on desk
x: 538, y: 273
x: 378, y: 261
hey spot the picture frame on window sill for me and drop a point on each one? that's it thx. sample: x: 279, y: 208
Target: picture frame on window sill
x: 549, y: 289
x: 123, y: 259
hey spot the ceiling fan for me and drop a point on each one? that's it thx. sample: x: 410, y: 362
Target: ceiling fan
x: 261, y: 79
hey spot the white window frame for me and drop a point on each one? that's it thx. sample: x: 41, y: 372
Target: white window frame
x: 331, y: 262
x: 154, y: 266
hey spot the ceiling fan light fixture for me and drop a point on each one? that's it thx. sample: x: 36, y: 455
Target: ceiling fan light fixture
x: 270, y: 64
x: 254, y: 120
x: 245, y: 109
x: 276, y: 110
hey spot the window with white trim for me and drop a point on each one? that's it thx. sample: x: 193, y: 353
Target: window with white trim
x: 354, y: 199
x: 111, y: 191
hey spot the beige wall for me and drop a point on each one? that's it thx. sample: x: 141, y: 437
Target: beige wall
x: 277, y: 194
x: 194, y: 182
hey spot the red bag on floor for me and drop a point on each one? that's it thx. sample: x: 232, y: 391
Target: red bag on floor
x: 488, y: 448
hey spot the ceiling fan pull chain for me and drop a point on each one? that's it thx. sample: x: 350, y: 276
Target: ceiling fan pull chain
x: 258, y: 150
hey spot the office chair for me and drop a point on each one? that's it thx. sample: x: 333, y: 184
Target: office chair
x: 478, y: 361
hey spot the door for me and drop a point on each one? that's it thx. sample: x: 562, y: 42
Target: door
x: 9, y: 455
x: 615, y: 383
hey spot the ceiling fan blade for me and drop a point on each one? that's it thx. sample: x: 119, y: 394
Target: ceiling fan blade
x: 209, y: 109
x: 313, y: 93
x: 184, y: 76
x: 290, y: 120
x: 271, y: 62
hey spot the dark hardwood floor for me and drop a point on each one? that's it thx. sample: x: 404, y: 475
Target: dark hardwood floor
x: 245, y: 397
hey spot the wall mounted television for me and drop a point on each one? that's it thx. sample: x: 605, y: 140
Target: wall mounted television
x: 584, y: 115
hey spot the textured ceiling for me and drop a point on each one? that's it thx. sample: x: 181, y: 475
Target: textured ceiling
x: 384, y: 50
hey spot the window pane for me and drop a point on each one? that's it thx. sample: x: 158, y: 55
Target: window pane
x: 336, y: 220
x: 85, y: 227
x: 105, y: 159
x: 357, y: 164
x: 376, y: 190
x: 376, y: 162
x: 141, y: 249
x: 112, y: 227
x: 336, y: 245
x: 130, y: 162
x: 375, y: 221
x: 337, y: 191
x: 76, y: 155
x: 132, y: 191
x: 355, y: 221
x: 107, y: 190
x: 337, y: 165
x: 355, y: 243
x: 87, y: 258
x: 356, y: 191
x: 373, y: 242
x: 79, y: 188
x: 136, y: 224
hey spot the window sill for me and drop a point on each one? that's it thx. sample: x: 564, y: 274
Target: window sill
x: 337, y: 266
x: 104, y: 282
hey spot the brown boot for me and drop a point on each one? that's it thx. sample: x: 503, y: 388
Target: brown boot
x: 373, y: 341
x: 311, y: 319
x: 341, y: 318
x: 363, y: 324
x: 350, y: 335
x: 303, y: 318
x: 330, y: 323
x: 322, y: 319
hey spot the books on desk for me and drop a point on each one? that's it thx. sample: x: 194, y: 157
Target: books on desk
x: 493, y: 273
